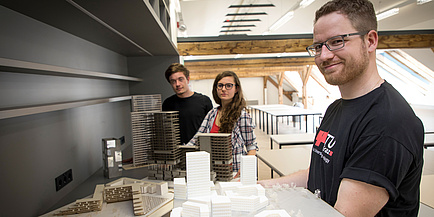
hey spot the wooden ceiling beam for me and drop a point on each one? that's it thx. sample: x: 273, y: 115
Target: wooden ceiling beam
x: 198, y: 74
x: 395, y: 40
x: 250, y: 63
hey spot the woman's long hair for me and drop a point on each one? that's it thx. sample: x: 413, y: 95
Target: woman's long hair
x: 232, y: 111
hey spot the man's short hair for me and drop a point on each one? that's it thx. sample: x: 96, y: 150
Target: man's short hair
x: 361, y: 13
x: 176, y: 67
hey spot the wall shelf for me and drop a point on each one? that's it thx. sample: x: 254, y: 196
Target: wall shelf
x: 10, y: 65
x: 30, y: 110
x: 131, y: 28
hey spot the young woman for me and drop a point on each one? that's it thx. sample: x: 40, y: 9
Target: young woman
x: 230, y: 117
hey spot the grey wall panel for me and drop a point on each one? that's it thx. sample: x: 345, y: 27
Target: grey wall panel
x: 26, y: 39
x: 151, y: 70
x: 30, y: 89
x: 35, y: 149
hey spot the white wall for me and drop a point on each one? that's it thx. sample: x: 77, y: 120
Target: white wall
x: 252, y: 88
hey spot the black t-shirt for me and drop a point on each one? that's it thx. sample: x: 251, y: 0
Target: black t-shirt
x: 376, y: 139
x: 192, y: 110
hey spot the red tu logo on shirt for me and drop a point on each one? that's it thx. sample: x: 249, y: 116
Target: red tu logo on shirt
x: 327, y: 139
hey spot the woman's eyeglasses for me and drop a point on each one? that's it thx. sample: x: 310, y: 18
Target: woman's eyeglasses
x: 228, y: 86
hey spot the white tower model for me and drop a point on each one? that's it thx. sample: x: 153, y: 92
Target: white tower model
x: 248, y: 170
x: 198, y: 174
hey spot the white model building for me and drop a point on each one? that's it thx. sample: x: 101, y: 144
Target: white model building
x: 198, y: 174
x: 248, y: 168
x: 245, y: 196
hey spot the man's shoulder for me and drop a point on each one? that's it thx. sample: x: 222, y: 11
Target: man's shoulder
x: 171, y: 98
x: 196, y: 94
x: 199, y: 96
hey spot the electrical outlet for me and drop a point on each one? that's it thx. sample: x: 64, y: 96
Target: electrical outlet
x: 63, y: 179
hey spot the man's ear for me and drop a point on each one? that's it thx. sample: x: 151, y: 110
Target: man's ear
x: 372, y: 40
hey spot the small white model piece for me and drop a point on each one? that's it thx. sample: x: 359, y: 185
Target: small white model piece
x: 192, y: 209
x: 198, y: 174
x: 248, y: 170
x: 273, y: 213
x: 244, y: 203
x: 227, y: 186
x: 221, y: 206
x: 176, y: 212
x: 180, y: 188
x: 247, y: 190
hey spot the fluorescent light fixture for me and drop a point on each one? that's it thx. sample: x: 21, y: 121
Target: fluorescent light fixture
x: 421, y: 2
x: 387, y: 14
x: 305, y: 3
x: 279, y: 23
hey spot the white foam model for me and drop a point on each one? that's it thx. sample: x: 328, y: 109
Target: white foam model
x: 176, y: 212
x: 244, y: 196
x: 198, y: 174
x: 180, y: 188
x: 221, y: 206
x: 247, y: 190
x: 248, y: 170
x: 192, y: 209
x: 227, y: 186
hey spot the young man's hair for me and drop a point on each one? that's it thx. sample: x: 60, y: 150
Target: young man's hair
x: 174, y: 68
x: 232, y: 112
x: 361, y: 13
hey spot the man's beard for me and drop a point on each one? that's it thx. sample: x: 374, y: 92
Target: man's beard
x: 350, y: 71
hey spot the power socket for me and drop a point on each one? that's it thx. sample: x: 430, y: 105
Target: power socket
x: 63, y: 179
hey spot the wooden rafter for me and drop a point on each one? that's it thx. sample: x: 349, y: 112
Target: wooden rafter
x: 288, y: 94
x: 198, y: 74
x: 280, y: 87
x: 305, y: 74
x: 298, y: 43
x: 293, y: 86
x: 249, y: 63
x: 320, y: 82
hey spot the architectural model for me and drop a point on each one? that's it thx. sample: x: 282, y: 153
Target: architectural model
x: 156, y: 139
x: 245, y: 196
x: 142, y: 121
x: 219, y: 145
x: 147, y: 197
x: 165, y: 153
x: 86, y: 205
x: 156, y: 142
x: 198, y: 174
x: 146, y: 103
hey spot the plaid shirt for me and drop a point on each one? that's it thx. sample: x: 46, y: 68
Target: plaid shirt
x: 242, y: 135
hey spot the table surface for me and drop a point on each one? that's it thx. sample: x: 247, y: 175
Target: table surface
x: 292, y: 200
x: 429, y: 139
x: 120, y: 209
x: 293, y: 138
x: 279, y: 110
x: 288, y: 160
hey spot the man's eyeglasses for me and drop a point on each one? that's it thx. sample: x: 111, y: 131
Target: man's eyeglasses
x: 333, y: 43
x: 228, y: 86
